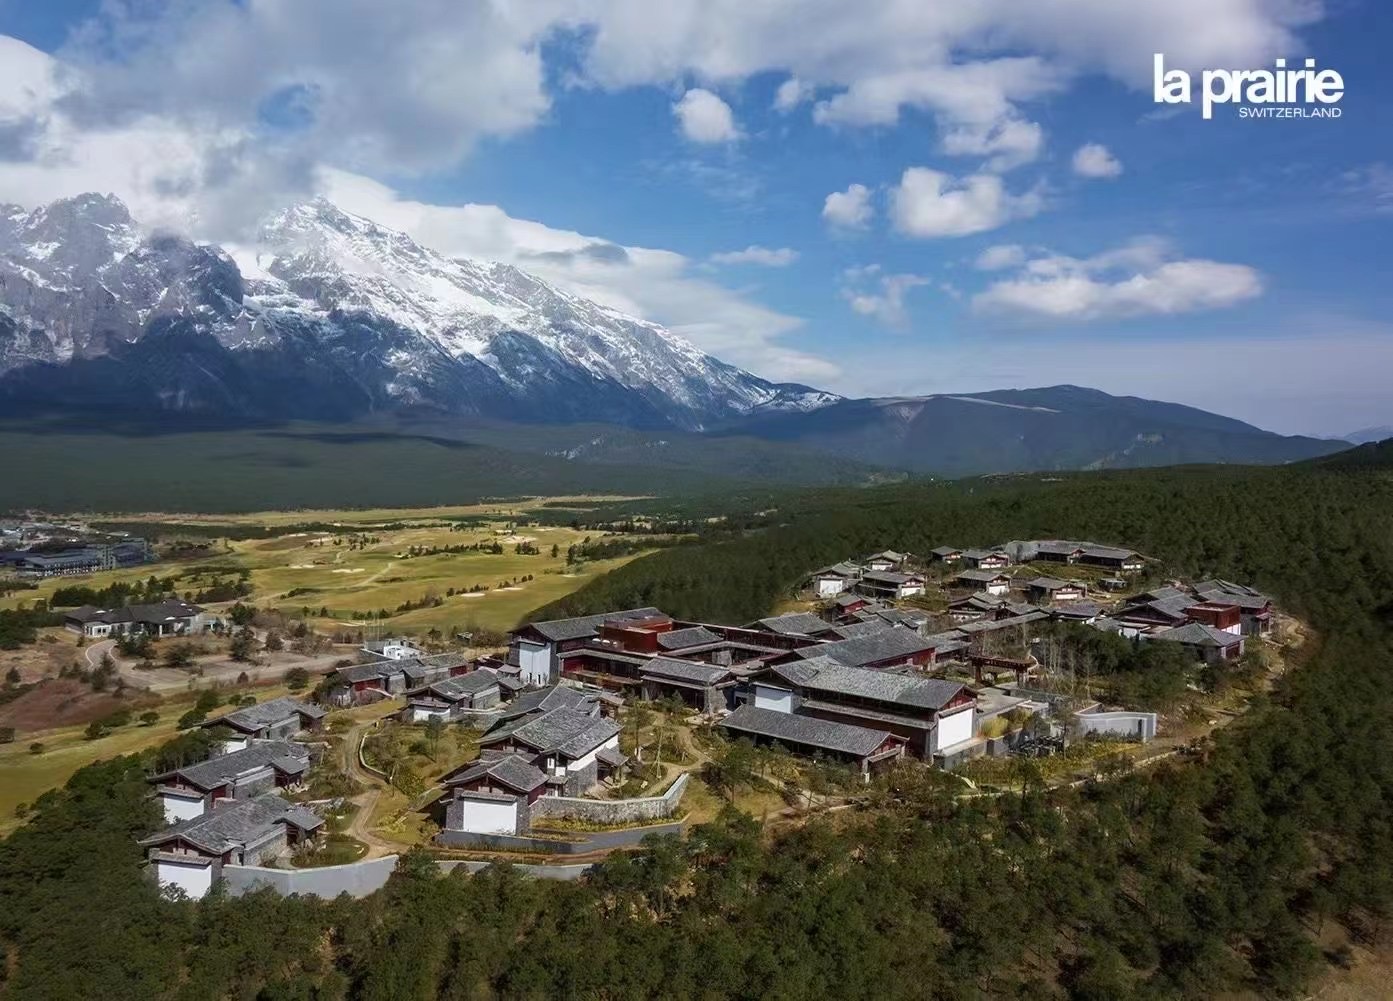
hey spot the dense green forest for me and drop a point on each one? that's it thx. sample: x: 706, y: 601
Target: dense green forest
x: 383, y: 464
x: 1195, y: 879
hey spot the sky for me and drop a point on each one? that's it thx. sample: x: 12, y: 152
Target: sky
x: 880, y: 198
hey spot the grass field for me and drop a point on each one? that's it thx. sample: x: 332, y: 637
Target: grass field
x: 364, y: 567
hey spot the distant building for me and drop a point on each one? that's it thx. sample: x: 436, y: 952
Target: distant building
x: 988, y: 581
x: 171, y: 617
x: 809, y: 736
x: 274, y: 720
x: 263, y: 766
x: 534, y: 647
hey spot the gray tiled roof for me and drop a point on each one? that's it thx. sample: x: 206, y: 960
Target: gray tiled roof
x: 510, y: 770
x: 843, y: 569
x: 862, y: 628
x: 805, y: 731
x: 685, y: 670
x: 980, y: 576
x: 582, y: 626
x: 679, y: 639
x: 555, y: 697
x: 873, y: 648
x: 236, y: 823
x: 1055, y: 584
x: 1197, y: 634
x: 977, y: 554
x: 1251, y: 602
x: 369, y: 672
x: 150, y: 614
x: 264, y: 714
x: 825, y: 675
x: 217, y: 771
x: 889, y: 577
x: 561, y: 731
x: 464, y: 685
x: 945, y: 550
x: 793, y: 623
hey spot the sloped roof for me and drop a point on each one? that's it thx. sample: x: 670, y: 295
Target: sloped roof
x: 1197, y: 634
x: 826, y: 675
x: 235, y: 823
x: 889, y: 577
x: 806, y: 731
x: 945, y: 550
x: 685, y: 670
x: 582, y: 626
x: 1053, y: 584
x: 680, y: 639
x: 793, y: 623
x: 264, y: 714
x: 464, y: 685
x: 871, y: 648
x: 510, y: 770
x: 555, y: 697
x: 981, y: 576
x: 218, y: 770
x: 560, y: 731
x: 863, y: 627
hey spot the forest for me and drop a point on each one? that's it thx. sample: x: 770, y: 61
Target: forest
x: 1243, y: 869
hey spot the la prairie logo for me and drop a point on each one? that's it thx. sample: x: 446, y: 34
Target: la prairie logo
x: 1279, y: 92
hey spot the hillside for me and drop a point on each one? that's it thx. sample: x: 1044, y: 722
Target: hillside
x: 1241, y: 871
x: 1055, y: 428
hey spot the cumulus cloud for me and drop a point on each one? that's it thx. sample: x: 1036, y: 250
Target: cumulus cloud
x: 850, y: 209
x: 1096, y: 160
x: 1142, y: 278
x: 880, y: 296
x: 705, y: 118
x: 929, y: 203
x: 791, y: 93
x: 769, y: 257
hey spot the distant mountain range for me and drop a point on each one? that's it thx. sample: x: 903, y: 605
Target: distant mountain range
x: 1365, y: 435
x: 1056, y: 428
x: 331, y: 317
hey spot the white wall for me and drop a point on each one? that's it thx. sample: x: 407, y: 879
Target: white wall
x: 176, y: 808
x: 954, y: 728
x: 997, y: 588
x: 235, y: 744
x: 423, y: 715
x: 581, y: 762
x: 480, y: 817
x: 534, y: 662
x: 829, y: 587
x: 909, y: 590
x: 769, y: 697
x: 194, y: 880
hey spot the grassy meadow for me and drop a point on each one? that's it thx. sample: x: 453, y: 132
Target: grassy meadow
x: 364, y: 565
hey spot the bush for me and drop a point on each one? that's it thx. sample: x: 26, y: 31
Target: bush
x: 191, y: 719
x: 119, y: 718
x: 149, y: 718
x: 36, y: 748
x: 95, y: 730
x: 7, y: 734
x: 297, y: 678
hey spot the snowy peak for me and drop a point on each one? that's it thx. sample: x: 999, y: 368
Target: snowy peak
x: 325, y: 298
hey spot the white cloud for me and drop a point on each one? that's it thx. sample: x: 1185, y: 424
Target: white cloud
x: 1142, y: 278
x: 880, y: 296
x: 770, y: 257
x: 705, y: 118
x: 929, y: 203
x: 1006, y: 143
x: 791, y: 93
x: 1003, y: 255
x: 1096, y: 160
x: 850, y: 209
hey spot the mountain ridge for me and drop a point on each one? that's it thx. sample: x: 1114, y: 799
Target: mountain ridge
x: 332, y: 300
x: 330, y: 316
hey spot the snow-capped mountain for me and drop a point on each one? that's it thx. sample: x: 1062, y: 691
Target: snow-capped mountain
x: 328, y: 314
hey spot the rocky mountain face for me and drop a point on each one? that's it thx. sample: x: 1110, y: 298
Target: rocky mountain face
x: 329, y: 316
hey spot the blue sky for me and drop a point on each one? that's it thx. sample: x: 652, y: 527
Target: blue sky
x: 1025, y: 215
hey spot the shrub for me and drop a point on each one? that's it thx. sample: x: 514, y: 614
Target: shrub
x: 36, y: 748
x: 191, y: 719
x: 149, y: 718
x: 7, y: 734
x: 297, y: 678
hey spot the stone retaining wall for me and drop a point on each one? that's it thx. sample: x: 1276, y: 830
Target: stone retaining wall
x: 358, y: 879
x: 581, y: 843
x: 613, y: 811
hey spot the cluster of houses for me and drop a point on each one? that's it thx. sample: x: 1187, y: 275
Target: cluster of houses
x: 861, y: 681
x: 41, y: 550
x: 229, y: 809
